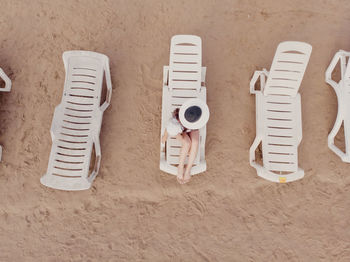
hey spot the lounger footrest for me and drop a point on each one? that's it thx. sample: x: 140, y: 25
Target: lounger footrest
x: 65, y: 183
x: 282, y: 178
x: 172, y: 170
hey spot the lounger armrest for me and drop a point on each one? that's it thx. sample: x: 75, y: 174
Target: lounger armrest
x: 203, y: 75
x: 259, y: 132
x: 96, y: 168
x: 258, y: 74
x: 57, y: 116
x: 109, y: 87
x: 165, y: 75
x: 7, y: 81
x: 162, y: 146
x: 252, y: 150
x: 299, y: 120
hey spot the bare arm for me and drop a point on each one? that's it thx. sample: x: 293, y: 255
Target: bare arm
x: 165, y: 136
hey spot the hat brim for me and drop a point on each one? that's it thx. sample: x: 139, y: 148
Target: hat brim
x: 202, y: 121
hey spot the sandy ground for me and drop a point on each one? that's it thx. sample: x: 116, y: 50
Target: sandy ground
x: 134, y: 212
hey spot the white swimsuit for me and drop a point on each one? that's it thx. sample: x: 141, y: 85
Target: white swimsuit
x: 174, y: 127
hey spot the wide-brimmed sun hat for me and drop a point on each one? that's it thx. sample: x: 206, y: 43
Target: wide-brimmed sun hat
x: 194, y: 114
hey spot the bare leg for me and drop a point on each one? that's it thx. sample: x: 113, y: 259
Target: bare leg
x: 194, y: 135
x: 186, y: 144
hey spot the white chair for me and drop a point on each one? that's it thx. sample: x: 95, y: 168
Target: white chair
x: 77, y: 122
x: 6, y: 88
x: 342, y: 90
x: 278, y: 113
x: 183, y: 79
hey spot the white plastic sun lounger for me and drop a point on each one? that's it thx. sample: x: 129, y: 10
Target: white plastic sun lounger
x: 182, y: 80
x: 278, y: 113
x: 6, y: 88
x: 77, y: 122
x: 342, y: 91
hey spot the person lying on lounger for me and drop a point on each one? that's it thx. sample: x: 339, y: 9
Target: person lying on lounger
x: 189, y: 140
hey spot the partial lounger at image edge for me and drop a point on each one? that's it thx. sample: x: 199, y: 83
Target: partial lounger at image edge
x: 77, y: 122
x: 343, y: 96
x: 6, y: 88
x: 278, y: 113
x: 7, y: 81
x: 182, y: 80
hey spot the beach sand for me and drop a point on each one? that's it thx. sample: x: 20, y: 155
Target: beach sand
x: 135, y: 212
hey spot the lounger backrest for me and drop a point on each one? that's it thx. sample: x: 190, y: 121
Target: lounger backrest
x: 84, y: 76
x: 185, y: 62
x: 288, y: 68
x: 75, y: 122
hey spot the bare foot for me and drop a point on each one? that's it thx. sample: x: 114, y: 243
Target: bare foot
x: 187, y: 177
x: 180, y: 174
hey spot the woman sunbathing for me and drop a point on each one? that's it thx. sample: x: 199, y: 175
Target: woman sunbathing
x: 189, y: 140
